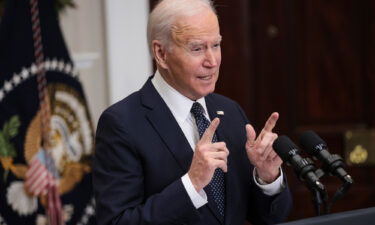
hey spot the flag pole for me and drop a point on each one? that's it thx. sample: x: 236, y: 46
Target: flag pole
x: 53, y: 198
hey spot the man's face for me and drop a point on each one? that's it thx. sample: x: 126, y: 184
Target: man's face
x: 193, y: 62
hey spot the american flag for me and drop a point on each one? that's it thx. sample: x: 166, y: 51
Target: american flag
x: 41, y: 179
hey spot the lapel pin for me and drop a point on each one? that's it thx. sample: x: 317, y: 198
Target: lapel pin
x: 220, y: 113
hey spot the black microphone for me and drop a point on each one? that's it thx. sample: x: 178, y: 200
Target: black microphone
x: 303, y: 167
x: 332, y: 163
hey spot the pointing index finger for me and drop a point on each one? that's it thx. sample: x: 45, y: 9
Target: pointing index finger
x: 210, y: 131
x: 271, y: 122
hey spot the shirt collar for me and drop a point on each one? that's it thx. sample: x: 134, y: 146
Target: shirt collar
x: 179, y: 104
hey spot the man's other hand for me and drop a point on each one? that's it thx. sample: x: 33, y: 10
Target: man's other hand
x: 260, y: 152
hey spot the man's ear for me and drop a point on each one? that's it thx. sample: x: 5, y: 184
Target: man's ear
x: 159, y: 51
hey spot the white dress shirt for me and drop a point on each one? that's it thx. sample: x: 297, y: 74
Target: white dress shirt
x: 180, y: 107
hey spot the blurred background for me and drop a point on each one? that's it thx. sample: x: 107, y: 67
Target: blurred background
x: 313, y: 61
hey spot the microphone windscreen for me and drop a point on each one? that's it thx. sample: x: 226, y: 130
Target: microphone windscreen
x: 309, y: 140
x: 283, y: 146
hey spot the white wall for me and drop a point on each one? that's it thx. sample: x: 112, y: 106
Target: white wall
x: 109, y: 40
x: 129, y: 63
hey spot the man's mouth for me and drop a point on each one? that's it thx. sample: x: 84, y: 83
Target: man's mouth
x: 206, y: 77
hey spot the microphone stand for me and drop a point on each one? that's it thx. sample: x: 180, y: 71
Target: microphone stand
x: 317, y: 200
x: 347, y: 181
x: 320, y: 195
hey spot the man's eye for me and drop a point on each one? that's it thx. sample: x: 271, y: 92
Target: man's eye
x: 217, y: 45
x: 196, y: 49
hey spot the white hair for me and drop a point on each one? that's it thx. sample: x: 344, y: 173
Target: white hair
x: 165, y: 14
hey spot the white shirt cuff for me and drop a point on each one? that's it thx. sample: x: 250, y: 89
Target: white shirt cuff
x: 198, y: 198
x: 273, y: 188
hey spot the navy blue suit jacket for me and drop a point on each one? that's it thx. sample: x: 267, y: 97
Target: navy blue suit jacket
x: 141, y: 154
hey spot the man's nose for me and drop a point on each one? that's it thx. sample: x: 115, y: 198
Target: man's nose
x: 210, y: 59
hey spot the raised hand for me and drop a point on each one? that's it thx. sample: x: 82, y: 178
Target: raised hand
x: 260, y: 152
x: 207, y: 157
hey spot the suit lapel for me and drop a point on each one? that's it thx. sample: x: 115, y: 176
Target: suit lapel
x: 166, y: 125
x: 213, y: 107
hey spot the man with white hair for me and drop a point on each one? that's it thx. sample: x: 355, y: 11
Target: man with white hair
x: 176, y: 153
